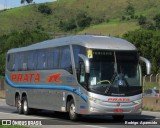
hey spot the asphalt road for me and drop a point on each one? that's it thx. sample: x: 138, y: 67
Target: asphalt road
x: 51, y: 119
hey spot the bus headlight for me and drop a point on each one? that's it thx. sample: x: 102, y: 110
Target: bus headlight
x: 95, y: 100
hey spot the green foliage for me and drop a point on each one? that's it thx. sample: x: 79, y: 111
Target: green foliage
x: 157, y: 21
x: 13, y: 126
x: 18, y: 39
x: 65, y: 11
x: 44, y: 9
x: 26, y: 1
x: 150, y: 85
x: 78, y: 21
x: 83, y: 19
x: 130, y: 10
x: 142, y: 20
x: 147, y: 42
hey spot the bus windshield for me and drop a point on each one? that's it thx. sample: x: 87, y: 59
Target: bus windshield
x: 114, y: 73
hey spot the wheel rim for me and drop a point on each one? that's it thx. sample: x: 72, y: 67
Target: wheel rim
x: 25, y: 106
x: 72, y: 110
x: 19, y: 104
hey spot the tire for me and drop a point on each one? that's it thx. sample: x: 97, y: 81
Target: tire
x: 118, y: 117
x: 26, y: 109
x: 72, y: 110
x: 19, y: 105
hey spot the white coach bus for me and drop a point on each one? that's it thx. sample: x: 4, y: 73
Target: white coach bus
x: 81, y: 75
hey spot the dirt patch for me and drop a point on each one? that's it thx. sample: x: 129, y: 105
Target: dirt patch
x: 151, y: 103
x: 2, y: 94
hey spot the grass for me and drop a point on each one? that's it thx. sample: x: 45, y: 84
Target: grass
x: 12, y: 126
x: 151, y: 85
x: 111, y: 28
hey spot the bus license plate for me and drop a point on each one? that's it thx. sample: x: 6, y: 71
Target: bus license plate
x: 118, y: 110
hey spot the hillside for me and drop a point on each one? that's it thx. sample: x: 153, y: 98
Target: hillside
x: 106, y: 16
x: 34, y: 23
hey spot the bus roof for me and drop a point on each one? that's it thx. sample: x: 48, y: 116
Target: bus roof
x: 88, y: 41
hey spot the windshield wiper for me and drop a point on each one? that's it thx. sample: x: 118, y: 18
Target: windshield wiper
x: 107, y: 89
x: 126, y: 81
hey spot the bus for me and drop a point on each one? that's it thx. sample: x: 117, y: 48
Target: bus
x: 80, y: 75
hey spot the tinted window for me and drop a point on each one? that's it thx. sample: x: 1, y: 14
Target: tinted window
x: 30, y: 59
x: 16, y: 59
x: 78, y: 50
x: 20, y: 61
x: 41, y: 60
x: 65, y: 58
x: 8, y: 62
x: 53, y: 58
x: 157, y: 91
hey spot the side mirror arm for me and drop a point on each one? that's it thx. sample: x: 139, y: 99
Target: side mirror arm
x: 86, y: 62
x: 148, y: 64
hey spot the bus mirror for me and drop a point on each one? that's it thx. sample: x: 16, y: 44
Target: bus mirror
x: 148, y: 64
x: 86, y: 62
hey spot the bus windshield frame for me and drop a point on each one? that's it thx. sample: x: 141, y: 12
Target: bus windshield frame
x: 114, y: 72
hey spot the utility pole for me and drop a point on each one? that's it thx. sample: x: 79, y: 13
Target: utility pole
x: 5, y: 4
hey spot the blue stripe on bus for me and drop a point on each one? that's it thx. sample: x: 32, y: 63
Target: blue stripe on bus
x: 57, y: 87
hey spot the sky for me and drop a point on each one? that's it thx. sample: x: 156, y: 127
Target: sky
x: 16, y: 3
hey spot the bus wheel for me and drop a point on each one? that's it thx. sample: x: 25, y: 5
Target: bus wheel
x: 118, y: 117
x: 72, y: 110
x: 26, y: 109
x: 19, y: 105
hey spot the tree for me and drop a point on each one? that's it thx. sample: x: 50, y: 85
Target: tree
x: 26, y: 1
x: 157, y: 21
x: 77, y: 21
x: 142, y: 20
x: 147, y: 42
x: 130, y: 10
x: 45, y: 9
x: 18, y: 39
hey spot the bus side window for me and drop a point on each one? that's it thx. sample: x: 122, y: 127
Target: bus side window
x: 16, y: 60
x: 78, y: 50
x: 25, y: 61
x: 9, y: 62
x: 24, y: 66
x: 30, y: 59
x: 66, y: 59
x: 35, y: 60
x: 13, y: 67
x: 41, y: 60
x: 53, y: 58
x: 82, y: 73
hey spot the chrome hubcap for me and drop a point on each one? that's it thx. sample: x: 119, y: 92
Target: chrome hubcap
x: 25, y: 106
x: 19, y: 104
x: 72, y: 109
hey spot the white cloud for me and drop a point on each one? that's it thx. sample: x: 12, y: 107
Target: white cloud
x: 1, y: 7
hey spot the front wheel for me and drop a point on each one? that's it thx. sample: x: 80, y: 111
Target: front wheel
x: 72, y: 111
x: 118, y: 117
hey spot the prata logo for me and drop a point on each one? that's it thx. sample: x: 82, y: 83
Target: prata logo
x: 117, y: 99
x: 54, y: 78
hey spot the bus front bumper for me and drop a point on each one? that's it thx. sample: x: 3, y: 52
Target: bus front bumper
x: 113, y: 108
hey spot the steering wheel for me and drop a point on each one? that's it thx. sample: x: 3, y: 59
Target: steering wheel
x: 104, y: 81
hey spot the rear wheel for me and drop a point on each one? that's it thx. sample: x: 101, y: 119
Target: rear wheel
x: 19, y: 105
x: 72, y: 110
x: 118, y: 117
x: 26, y: 109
